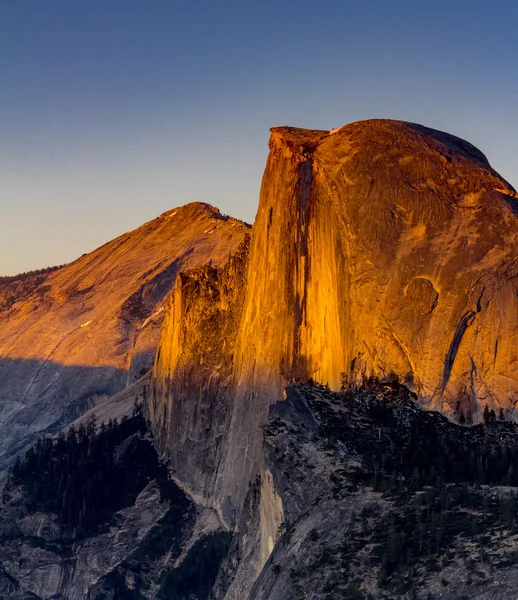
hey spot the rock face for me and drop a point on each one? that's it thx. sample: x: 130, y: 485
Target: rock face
x: 381, y: 246
x: 48, y: 571
x: 192, y: 384
x: 92, y: 327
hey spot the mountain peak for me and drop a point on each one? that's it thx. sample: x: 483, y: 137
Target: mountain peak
x: 196, y: 210
x: 379, y: 133
x: 92, y: 326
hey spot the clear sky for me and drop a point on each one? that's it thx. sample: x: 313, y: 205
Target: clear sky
x: 113, y: 111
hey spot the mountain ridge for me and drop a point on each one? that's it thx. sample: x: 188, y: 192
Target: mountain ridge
x: 103, y: 310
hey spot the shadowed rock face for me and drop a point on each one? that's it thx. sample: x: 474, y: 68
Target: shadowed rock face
x: 381, y: 246
x: 93, y: 326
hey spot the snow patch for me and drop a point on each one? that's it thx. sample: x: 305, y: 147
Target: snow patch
x: 85, y: 324
x: 155, y: 314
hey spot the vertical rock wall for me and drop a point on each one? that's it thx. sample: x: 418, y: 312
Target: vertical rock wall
x: 191, y: 386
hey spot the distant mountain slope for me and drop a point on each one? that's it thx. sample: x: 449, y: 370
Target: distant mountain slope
x: 92, y: 326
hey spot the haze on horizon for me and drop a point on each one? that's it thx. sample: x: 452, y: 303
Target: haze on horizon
x: 112, y: 113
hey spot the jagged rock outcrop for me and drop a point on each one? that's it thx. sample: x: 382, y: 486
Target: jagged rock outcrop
x: 384, y: 500
x: 91, y: 327
x: 138, y: 541
x: 380, y: 246
x: 33, y: 560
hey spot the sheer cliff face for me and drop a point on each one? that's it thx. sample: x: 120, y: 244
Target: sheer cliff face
x: 191, y: 388
x: 94, y: 325
x: 381, y: 246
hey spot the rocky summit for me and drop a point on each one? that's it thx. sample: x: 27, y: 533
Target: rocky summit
x: 382, y: 269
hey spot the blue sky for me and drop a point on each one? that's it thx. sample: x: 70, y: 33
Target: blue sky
x: 114, y: 111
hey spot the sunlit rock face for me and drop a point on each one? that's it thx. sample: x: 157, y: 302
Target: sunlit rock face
x: 381, y: 246
x: 93, y: 326
x: 191, y: 387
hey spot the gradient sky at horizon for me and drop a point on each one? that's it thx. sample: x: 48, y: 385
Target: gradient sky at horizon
x: 114, y: 111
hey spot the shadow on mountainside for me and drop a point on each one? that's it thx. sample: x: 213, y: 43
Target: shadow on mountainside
x: 40, y: 397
